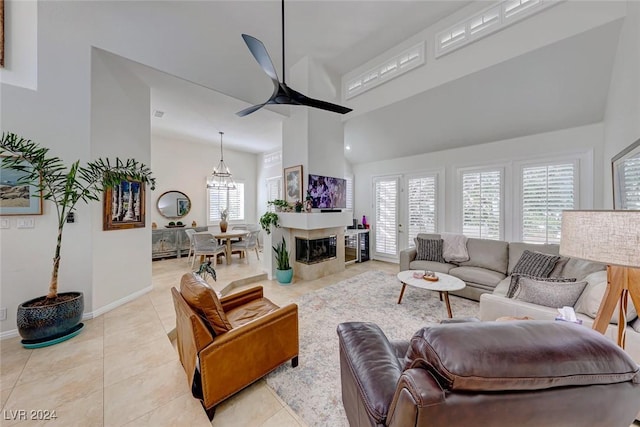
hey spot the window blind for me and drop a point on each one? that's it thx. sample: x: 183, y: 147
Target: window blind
x: 232, y: 199
x: 386, y: 211
x: 349, y: 180
x: 421, y: 198
x: 630, y: 183
x: 546, y: 191
x: 482, y: 204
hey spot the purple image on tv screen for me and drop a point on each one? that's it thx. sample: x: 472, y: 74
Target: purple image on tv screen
x: 327, y: 192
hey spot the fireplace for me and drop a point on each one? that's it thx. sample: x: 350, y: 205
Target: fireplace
x: 312, y: 251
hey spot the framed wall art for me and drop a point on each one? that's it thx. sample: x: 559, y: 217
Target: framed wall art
x: 124, y: 206
x: 293, y: 184
x: 17, y: 198
x: 183, y: 206
x: 625, y: 169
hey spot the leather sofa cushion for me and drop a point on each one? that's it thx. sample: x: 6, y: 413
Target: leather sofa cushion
x: 250, y: 311
x: 482, y: 276
x: 517, y: 248
x: 204, y: 301
x: 496, y: 356
x: 489, y: 254
x: 438, y: 267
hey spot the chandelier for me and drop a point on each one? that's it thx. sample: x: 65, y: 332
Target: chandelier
x: 221, y: 175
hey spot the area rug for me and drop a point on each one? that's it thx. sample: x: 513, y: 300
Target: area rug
x: 312, y: 389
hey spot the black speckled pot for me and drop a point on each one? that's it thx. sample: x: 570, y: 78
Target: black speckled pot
x: 41, y: 323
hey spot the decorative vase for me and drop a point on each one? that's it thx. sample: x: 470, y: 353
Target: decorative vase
x: 223, y: 226
x: 308, y: 205
x: 284, y: 277
x: 53, y: 323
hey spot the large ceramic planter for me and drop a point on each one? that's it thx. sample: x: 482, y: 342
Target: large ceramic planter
x: 50, y: 322
x: 284, y: 276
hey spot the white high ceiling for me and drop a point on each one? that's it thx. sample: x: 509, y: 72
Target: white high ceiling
x: 561, y: 85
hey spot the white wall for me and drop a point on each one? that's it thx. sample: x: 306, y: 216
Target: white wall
x: 188, y: 172
x: 556, y: 23
x: 585, y: 142
x: 120, y: 127
x: 622, y: 115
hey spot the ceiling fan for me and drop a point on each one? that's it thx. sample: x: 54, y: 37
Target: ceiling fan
x: 282, y: 94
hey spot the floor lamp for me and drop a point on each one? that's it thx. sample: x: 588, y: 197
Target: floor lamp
x: 612, y: 238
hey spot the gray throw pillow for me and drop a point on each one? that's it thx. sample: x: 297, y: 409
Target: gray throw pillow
x: 549, y: 294
x: 429, y: 250
x: 515, y: 281
x: 535, y: 264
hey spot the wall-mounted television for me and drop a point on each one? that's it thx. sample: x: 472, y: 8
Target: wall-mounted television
x: 327, y: 192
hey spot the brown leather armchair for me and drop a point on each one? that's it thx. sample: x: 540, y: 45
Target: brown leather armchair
x: 523, y: 373
x: 228, y: 343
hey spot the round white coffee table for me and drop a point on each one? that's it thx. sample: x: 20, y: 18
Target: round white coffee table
x: 444, y: 284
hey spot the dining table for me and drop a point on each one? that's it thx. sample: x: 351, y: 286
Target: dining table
x: 227, y: 236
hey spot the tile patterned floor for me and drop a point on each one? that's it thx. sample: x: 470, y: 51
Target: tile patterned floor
x: 122, y: 370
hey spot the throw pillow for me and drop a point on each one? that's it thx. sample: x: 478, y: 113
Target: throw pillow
x: 549, y: 294
x: 535, y: 264
x: 515, y: 280
x: 429, y: 250
x: 589, y: 302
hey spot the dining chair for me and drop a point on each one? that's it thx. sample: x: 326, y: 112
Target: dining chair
x: 205, y: 245
x: 190, y: 232
x: 249, y: 242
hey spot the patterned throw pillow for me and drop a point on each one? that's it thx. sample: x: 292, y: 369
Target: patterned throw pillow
x: 429, y: 250
x: 535, y: 264
x: 549, y: 294
x: 515, y: 280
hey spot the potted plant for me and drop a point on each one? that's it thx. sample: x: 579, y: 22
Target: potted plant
x: 224, y: 214
x: 284, y: 272
x: 280, y: 205
x: 269, y: 219
x: 298, y: 206
x: 56, y: 316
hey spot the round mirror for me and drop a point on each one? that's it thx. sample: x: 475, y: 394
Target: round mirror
x: 174, y: 204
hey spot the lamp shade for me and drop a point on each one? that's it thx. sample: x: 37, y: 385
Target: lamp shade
x: 609, y: 237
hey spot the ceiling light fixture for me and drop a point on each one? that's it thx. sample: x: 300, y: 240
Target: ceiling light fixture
x: 348, y: 148
x: 221, y: 175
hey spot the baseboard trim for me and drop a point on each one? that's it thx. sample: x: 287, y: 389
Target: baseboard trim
x: 122, y: 301
x: 93, y: 314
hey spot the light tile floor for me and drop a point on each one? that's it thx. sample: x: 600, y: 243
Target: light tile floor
x: 122, y: 370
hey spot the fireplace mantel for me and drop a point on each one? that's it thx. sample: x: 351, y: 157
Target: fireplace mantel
x: 314, y: 220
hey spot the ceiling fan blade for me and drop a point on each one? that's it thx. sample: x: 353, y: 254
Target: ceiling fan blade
x: 301, y: 99
x: 261, y: 55
x: 250, y: 110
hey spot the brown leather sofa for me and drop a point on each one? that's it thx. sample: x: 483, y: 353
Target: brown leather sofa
x: 521, y: 373
x: 228, y: 343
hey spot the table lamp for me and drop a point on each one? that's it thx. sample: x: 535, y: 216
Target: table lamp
x: 612, y: 238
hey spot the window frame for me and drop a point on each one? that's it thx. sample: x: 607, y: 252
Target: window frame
x: 502, y: 169
x: 211, y: 222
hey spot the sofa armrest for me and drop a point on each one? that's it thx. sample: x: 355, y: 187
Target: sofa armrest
x: 406, y: 256
x: 237, y: 299
x: 416, y: 391
x: 245, y: 354
x: 369, y: 372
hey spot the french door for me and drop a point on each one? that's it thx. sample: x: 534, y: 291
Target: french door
x: 386, y: 192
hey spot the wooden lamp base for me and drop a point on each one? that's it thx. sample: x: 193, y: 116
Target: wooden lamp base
x: 621, y: 282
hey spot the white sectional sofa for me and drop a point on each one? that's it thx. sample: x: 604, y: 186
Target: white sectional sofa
x: 487, y: 275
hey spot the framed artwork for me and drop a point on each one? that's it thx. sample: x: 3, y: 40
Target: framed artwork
x: 183, y: 206
x: 124, y: 206
x: 17, y: 198
x: 293, y: 184
x: 625, y: 169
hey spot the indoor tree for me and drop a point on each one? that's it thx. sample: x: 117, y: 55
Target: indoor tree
x: 66, y: 186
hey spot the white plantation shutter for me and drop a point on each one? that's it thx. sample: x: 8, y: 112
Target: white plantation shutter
x: 421, y: 197
x: 219, y: 199
x: 482, y: 204
x: 546, y: 191
x: 386, y: 220
x: 349, y: 180
x: 629, y: 176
